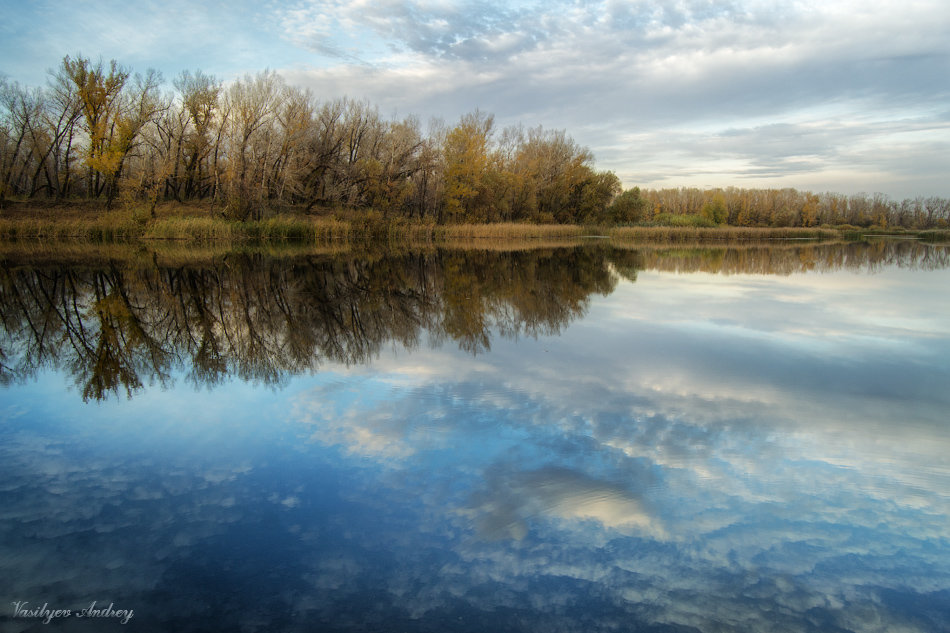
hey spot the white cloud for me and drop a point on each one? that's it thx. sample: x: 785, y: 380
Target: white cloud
x: 678, y: 81
x: 844, y: 96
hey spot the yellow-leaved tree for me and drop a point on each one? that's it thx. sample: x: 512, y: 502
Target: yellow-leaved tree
x: 114, y: 117
x: 466, y: 167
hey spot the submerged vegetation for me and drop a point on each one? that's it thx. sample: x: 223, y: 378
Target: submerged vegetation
x: 102, y: 154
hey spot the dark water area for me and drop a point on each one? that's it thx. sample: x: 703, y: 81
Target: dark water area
x: 576, y: 439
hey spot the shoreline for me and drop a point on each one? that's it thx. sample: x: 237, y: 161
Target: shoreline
x: 87, y: 224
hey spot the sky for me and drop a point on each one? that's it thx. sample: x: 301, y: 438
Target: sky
x: 823, y: 95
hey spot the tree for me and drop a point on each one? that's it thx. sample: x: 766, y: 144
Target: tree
x: 293, y: 124
x: 252, y: 103
x: 554, y: 169
x: 466, y: 165
x: 114, y: 119
x: 716, y: 210
x: 592, y: 195
x: 200, y: 95
x: 20, y: 113
x: 98, y: 94
x: 628, y: 208
x: 390, y: 171
x: 810, y: 210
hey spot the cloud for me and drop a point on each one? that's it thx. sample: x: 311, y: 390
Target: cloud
x: 741, y: 55
x: 442, y: 31
x: 659, y: 89
x: 845, y: 93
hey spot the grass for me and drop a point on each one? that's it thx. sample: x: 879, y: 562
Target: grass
x: 692, y: 220
x: 199, y: 224
x: 512, y: 230
x: 189, y: 229
x: 936, y: 235
x: 189, y: 223
x: 671, y: 234
x: 151, y: 253
x: 106, y: 228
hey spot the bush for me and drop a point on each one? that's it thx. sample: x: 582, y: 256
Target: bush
x: 716, y: 211
x: 689, y: 220
x: 628, y: 207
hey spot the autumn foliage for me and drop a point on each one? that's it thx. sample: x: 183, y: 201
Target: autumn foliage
x: 258, y: 146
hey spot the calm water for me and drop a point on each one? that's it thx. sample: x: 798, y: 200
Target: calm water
x: 585, y: 439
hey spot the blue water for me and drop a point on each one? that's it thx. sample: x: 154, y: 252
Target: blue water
x: 679, y: 449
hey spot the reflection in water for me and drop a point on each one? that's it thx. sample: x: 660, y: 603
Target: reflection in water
x: 585, y: 439
x: 260, y: 319
x: 511, y: 499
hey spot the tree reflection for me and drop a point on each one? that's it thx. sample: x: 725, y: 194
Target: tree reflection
x: 115, y: 327
x: 262, y: 319
x: 870, y: 256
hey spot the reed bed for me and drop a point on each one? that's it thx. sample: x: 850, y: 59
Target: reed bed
x: 107, y: 228
x: 197, y: 224
x: 279, y: 228
x: 668, y: 234
x: 510, y: 244
x: 129, y: 227
x: 284, y: 227
x: 502, y: 236
x: 148, y: 254
x: 511, y: 230
x: 936, y: 235
x: 190, y: 229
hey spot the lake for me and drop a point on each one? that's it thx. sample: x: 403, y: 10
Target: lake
x: 585, y: 438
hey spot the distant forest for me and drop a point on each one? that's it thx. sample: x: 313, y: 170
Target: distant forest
x: 257, y: 145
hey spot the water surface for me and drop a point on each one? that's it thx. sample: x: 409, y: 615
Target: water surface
x: 590, y: 438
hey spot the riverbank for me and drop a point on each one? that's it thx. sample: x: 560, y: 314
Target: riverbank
x: 87, y: 223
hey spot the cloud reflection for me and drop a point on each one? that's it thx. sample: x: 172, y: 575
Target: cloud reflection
x: 663, y: 461
x: 512, y: 498
x: 741, y: 477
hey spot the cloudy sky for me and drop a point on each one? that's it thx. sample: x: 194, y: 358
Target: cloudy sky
x: 839, y: 95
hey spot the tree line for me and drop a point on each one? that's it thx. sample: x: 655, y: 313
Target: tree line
x: 790, y: 207
x: 98, y: 131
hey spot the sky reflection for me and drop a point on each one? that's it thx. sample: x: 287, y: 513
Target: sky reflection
x: 727, y: 453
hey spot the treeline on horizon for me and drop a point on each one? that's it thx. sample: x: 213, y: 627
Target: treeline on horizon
x: 259, y: 146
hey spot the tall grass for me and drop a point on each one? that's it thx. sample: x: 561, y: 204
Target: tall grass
x: 692, y: 220
x: 109, y: 227
x: 693, y: 234
x: 125, y: 226
x: 165, y: 252
x: 511, y: 230
x: 197, y: 224
x: 935, y: 235
x: 189, y: 229
x: 285, y: 227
